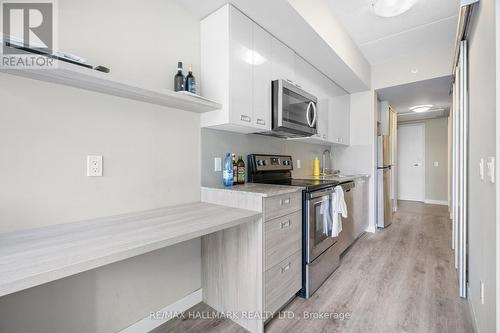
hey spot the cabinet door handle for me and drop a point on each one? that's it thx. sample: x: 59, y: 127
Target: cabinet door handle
x: 261, y: 121
x: 245, y: 118
x: 285, y: 224
x: 284, y: 201
x: 285, y: 268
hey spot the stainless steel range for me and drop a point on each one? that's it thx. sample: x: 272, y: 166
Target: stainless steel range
x: 320, y: 252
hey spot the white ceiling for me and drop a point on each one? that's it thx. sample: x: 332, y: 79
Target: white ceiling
x: 434, y: 91
x: 428, y: 25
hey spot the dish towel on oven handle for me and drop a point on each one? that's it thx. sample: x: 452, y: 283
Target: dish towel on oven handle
x: 326, y: 211
x: 339, y: 210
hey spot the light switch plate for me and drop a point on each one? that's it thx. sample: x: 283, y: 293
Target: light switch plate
x: 217, y: 164
x: 94, y: 166
x: 298, y: 164
x: 436, y: 164
x: 491, y: 169
x: 481, y: 168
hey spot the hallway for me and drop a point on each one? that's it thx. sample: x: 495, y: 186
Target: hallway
x: 399, y: 280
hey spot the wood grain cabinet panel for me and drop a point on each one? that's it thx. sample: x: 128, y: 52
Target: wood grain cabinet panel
x: 283, y: 237
x: 282, y: 282
x: 282, y: 205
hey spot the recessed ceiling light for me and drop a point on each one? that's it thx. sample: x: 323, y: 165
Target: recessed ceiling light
x: 414, y: 70
x: 421, y: 108
x: 390, y: 8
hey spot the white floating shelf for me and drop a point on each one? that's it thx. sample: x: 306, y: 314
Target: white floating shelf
x: 80, y: 77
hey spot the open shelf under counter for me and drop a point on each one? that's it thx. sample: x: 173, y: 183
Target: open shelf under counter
x: 89, y: 79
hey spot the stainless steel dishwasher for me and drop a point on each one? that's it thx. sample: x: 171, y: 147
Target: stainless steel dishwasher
x: 348, y: 234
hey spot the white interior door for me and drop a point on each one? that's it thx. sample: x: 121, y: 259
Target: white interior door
x: 411, y: 166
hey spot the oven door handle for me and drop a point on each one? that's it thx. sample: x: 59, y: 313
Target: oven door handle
x: 318, y: 194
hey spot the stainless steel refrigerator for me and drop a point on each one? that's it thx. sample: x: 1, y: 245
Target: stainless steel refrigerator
x: 384, y: 201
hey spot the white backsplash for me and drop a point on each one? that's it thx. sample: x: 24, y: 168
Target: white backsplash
x: 216, y: 143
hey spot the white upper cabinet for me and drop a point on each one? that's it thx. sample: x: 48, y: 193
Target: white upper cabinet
x: 283, y: 61
x: 304, y: 74
x: 262, y: 77
x: 236, y: 68
x: 323, y: 118
x: 239, y: 60
x: 339, y: 119
x: 241, y: 67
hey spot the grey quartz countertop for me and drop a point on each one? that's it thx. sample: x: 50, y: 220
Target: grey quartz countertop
x: 263, y: 190
x: 32, y: 257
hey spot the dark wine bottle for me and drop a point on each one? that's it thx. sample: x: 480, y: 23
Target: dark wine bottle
x: 235, y: 170
x: 241, y: 170
x: 179, y: 78
x: 190, y: 80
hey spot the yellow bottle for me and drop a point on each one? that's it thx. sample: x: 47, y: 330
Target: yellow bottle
x: 316, y: 167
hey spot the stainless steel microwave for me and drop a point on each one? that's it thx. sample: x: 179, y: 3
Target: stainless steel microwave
x: 294, y: 111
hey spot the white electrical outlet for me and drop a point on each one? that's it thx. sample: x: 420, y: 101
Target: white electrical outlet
x: 94, y: 166
x: 217, y: 164
x: 298, y: 164
x: 482, y: 292
x: 481, y: 168
x: 436, y: 164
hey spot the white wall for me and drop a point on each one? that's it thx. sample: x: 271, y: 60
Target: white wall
x: 482, y: 194
x: 360, y: 156
x: 151, y: 159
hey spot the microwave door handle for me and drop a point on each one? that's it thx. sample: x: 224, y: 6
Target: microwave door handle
x: 307, y: 115
x: 315, y: 114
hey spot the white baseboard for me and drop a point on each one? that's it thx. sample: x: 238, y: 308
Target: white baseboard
x: 371, y: 229
x: 147, y: 324
x: 436, y: 202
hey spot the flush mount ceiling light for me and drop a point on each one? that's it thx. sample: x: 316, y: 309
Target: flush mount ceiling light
x: 390, y: 8
x: 421, y: 108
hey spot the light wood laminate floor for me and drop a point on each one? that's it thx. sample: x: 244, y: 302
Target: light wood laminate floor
x: 401, y: 279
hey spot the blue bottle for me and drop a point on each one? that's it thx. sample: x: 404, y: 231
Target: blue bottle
x: 227, y: 170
